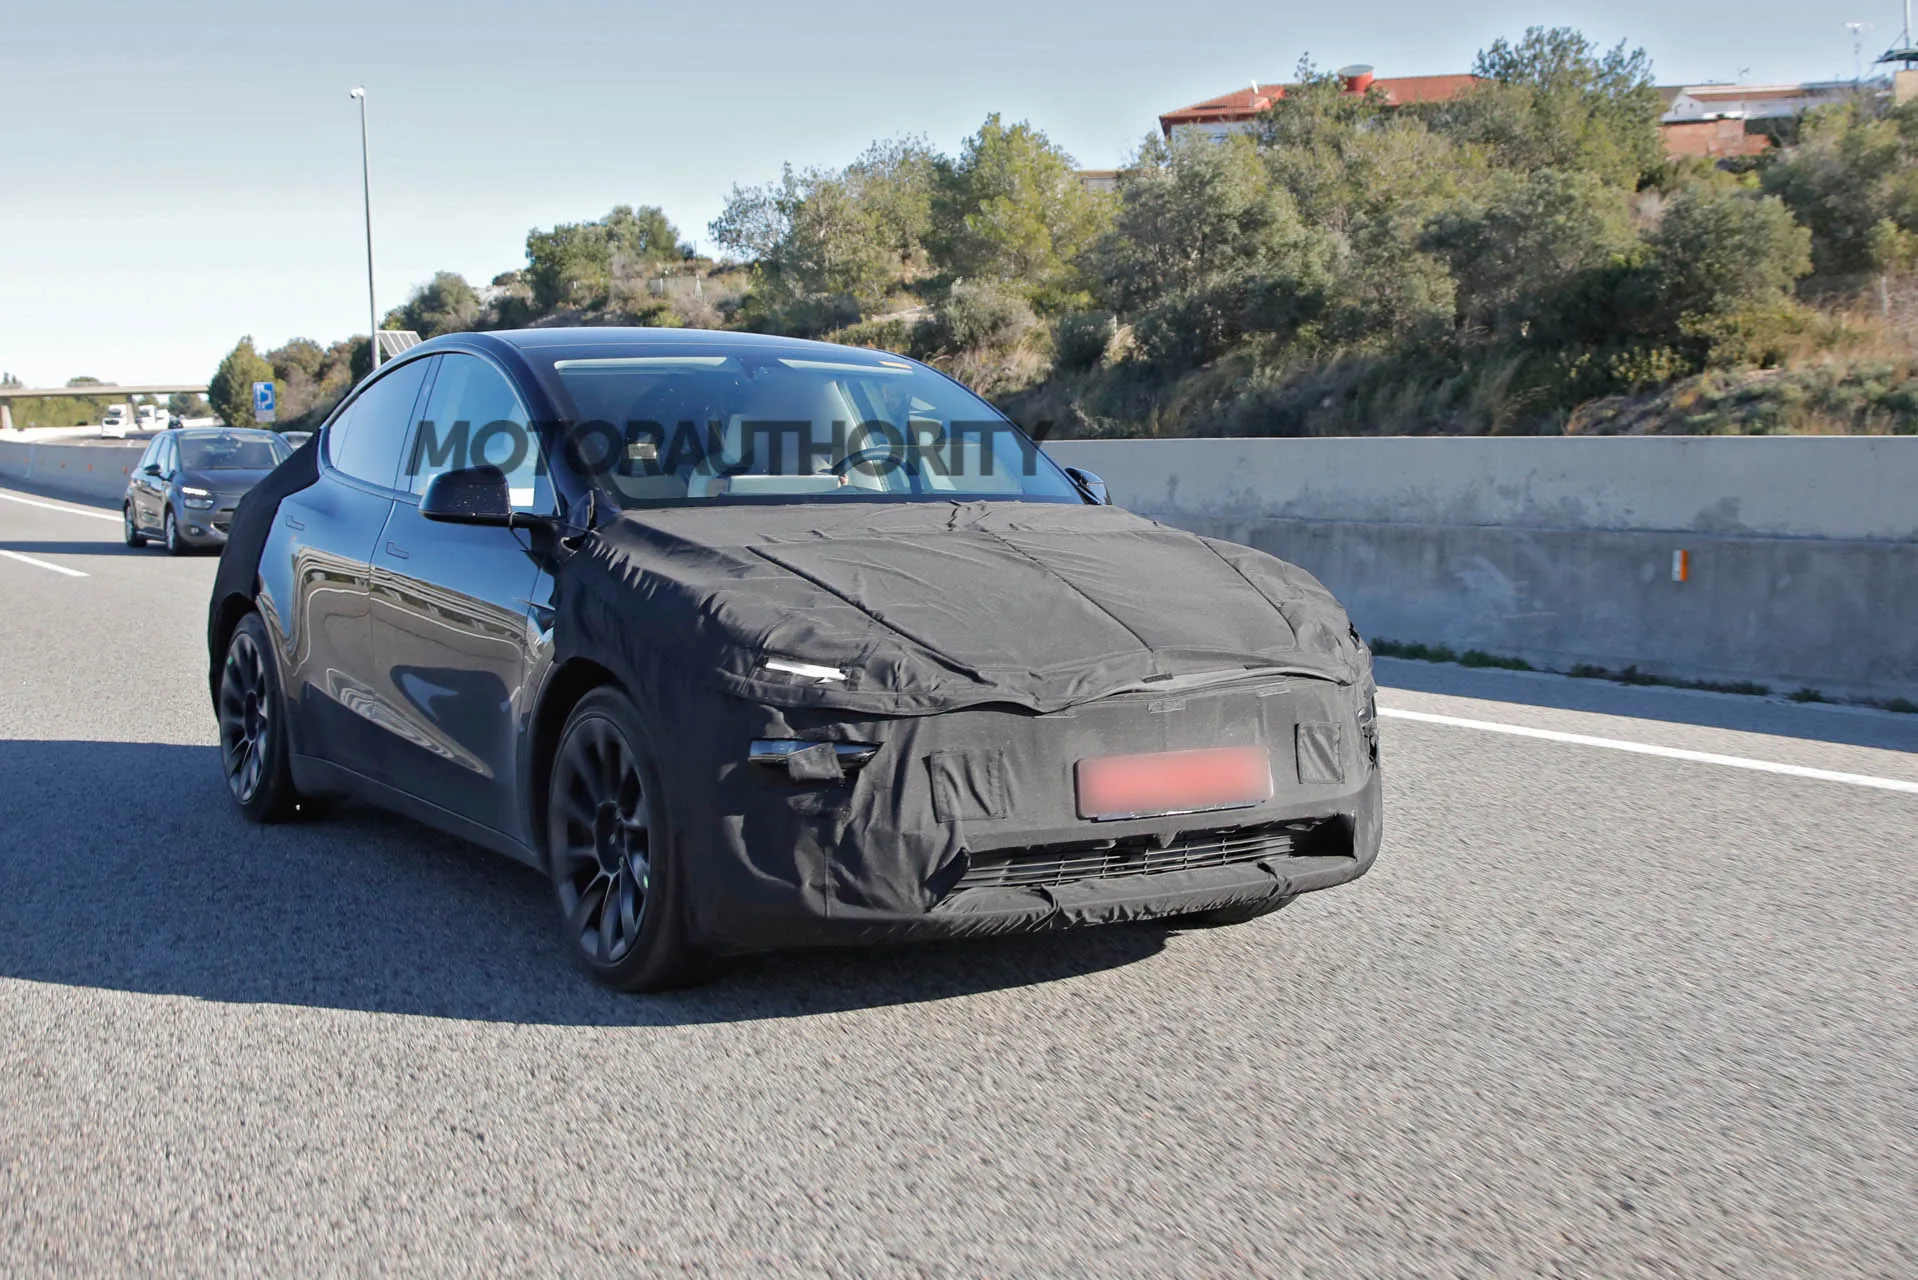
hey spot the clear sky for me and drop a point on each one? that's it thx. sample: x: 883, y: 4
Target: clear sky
x: 174, y: 175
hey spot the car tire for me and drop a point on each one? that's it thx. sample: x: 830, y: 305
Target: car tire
x: 1243, y: 913
x: 175, y: 545
x: 252, y: 716
x: 134, y: 537
x: 611, y: 855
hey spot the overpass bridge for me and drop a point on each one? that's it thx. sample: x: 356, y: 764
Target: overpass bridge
x: 91, y: 390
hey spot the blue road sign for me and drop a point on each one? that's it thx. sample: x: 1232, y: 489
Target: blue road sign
x: 264, y: 401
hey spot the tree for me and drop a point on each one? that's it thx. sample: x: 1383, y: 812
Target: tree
x: 893, y: 182
x: 231, y: 390
x: 569, y: 266
x: 820, y: 253
x: 1193, y: 210
x: 1205, y: 247
x: 756, y: 220
x: 1854, y: 168
x: 1011, y: 208
x: 1553, y: 101
x: 300, y: 358
x: 1720, y: 251
x: 1350, y: 159
x: 577, y: 264
x: 643, y: 235
x: 445, y: 304
x: 1513, y: 254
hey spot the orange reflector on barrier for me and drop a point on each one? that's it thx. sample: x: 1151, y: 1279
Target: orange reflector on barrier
x: 1173, y: 782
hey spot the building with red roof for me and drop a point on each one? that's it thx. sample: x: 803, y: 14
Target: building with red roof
x: 1712, y: 121
x: 1235, y: 111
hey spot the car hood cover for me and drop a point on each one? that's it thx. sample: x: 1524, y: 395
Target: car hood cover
x: 916, y: 608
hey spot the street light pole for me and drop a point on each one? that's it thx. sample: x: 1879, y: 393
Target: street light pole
x: 358, y: 93
x: 1858, y: 30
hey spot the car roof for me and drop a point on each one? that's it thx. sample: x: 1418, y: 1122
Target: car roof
x: 582, y: 342
x: 184, y: 432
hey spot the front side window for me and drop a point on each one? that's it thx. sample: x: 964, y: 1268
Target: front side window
x: 366, y: 440
x: 473, y: 417
x: 693, y: 426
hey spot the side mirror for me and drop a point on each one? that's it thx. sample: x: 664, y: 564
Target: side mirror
x: 1091, y: 485
x: 469, y: 495
x: 152, y: 469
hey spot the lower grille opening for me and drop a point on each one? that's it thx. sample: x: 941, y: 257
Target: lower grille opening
x: 1060, y: 864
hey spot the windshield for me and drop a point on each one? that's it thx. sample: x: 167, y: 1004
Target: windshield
x: 232, y: 452
x: 695, y: 428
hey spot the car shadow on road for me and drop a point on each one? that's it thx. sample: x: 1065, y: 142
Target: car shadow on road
x: 1849, y: 726
x: 75, y: 548
x: 123, y: 866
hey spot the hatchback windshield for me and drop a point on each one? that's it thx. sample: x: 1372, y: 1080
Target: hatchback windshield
x: 696, y: 427
x: 226, y: 452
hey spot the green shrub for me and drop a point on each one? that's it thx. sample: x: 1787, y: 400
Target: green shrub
x: 976, y: 316
x: 1413, y: 652
x: 1750, y: 688
x: 1480, y: 658
x: 895, y: 333
x: 1081, y: 339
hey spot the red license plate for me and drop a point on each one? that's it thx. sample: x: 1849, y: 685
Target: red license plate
x: 1173, y: 782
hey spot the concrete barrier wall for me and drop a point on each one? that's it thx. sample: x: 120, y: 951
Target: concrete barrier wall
x: 1803, y: 551
x: 86, y: 473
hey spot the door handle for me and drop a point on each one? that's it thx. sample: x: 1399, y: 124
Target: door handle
x: 291, y: 523
x: 397, y: 551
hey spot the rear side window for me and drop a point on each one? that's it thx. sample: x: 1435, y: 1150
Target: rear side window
x: 474, y: 417
x: 367, y: 439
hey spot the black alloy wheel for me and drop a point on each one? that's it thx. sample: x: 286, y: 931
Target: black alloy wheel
x: 610, y: 852
x: 134, y: 537
x: 253, y: 727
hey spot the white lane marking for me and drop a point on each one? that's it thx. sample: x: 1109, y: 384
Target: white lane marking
x: 42, y: 564
x: 55, y: 506
x: 1647, y: 749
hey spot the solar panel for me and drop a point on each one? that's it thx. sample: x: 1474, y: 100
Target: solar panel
x: 394, y: 341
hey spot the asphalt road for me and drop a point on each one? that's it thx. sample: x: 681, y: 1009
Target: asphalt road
x: 1596, y: 1012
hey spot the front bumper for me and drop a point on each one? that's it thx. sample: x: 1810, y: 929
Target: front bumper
x: 892, y: 851
x: 985, y: 912
x: 206, y: 528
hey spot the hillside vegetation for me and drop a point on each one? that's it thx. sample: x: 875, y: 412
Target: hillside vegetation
x: 1519, y: 260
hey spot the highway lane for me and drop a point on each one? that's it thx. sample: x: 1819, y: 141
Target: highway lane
x: 1594, y: 1013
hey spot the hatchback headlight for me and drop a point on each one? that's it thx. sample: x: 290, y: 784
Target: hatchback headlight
x: 197, y: 499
